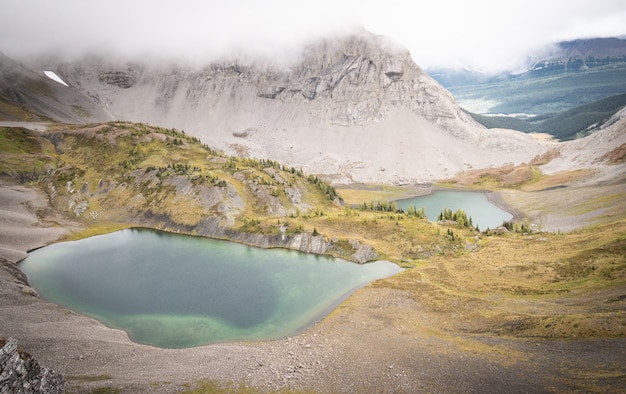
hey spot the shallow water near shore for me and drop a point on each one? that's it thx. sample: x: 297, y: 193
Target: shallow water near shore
x: 484, y: 213
x: 175, y: 291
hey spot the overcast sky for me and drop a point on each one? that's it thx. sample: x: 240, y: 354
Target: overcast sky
x: 482, y: 34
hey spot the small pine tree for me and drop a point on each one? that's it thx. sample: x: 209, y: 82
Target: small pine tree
x: 460, y: 221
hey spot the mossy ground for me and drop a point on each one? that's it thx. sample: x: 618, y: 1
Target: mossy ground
x: 24, y: 154
x: 209, y: 386
x: 358, y: 194
x: 541, y: 285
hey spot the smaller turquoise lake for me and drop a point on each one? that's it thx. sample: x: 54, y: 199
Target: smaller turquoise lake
x: 175, y: 291
x: 484, y: 214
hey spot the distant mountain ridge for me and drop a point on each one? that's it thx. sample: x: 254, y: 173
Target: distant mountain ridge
x: 565, y: 76
x: 580, y: 55
x: 565, y: 56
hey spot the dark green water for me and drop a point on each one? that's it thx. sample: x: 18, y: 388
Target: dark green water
x: 176, y: 291
x: 475, y: 204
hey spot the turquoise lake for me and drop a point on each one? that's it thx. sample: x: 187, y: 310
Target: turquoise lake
x: 175, y: 291
x: 484, y: 214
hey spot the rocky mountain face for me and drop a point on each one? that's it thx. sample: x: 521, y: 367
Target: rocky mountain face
x: 347, y: 82
x: 355, y: 109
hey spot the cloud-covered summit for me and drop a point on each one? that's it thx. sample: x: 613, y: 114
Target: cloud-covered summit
x: 483, y: 34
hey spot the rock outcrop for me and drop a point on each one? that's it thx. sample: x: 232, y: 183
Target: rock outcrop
x: 351, y: 250
x: 20, y: 373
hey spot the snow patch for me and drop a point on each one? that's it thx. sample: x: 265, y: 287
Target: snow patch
x: 520, y: 115
x: 53, y: 76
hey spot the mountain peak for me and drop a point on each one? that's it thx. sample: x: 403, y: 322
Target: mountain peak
x: 355, y: 108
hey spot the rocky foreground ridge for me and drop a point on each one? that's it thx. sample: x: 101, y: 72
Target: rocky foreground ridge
x: 21, y: 373
x: 354, y: 109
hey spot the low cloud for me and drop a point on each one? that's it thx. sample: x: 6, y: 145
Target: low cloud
x: 183, y: 28
x: 481, y: 34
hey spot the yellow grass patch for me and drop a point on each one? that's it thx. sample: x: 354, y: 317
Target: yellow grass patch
x: 358, y: 194
x: 559, y: 179
x: 544, y: 285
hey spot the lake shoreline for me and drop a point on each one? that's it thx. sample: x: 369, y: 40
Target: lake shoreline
x: 487, y: 212
x: 495, y: 197
x: 379, y: 339
x: 188, y: 284
x: 411, y: 191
